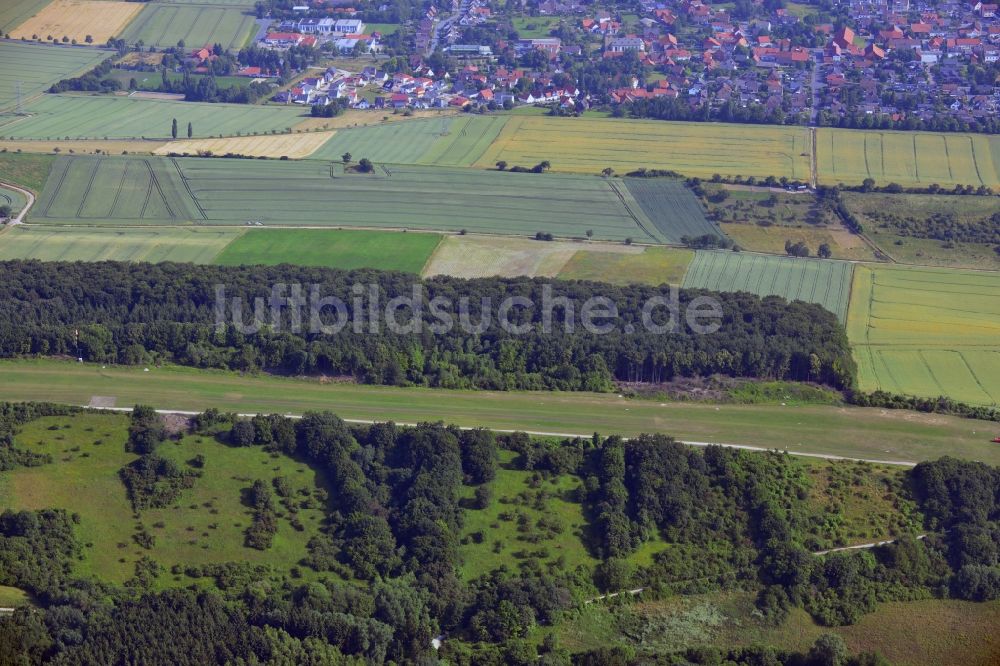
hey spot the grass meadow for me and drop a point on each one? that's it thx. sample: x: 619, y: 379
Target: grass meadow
x: 927, y: 332
x: 332, y: 248
x: 205, y: 526
x: 823, y: 429
x: 28, y: 171
x: 820, y: 281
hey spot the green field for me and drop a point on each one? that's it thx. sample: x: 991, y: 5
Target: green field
x: 15, y: 12
x: 655, y: 266
x: 98, y: 117
x: 122, y: 189
x: 107, y: 244
x: 28, y: 171
x: 669, y: 205
x: 36, y: 67
x: 589, y: 145
x: 332, y: 248
x: 820, y: 281
x: 866, y: 433
x: 927, y: 332
x: 908, y: 158
x: 106, y: 190
x: 164, y: 25
x: 207, y: 524
x: 444, y: 141
x: 535, y: 27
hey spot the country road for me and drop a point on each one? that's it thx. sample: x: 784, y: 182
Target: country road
x: 29, y: 202
x: 544, y: 433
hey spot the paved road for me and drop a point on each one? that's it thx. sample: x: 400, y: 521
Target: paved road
x: 262, y: 29
x: 543, y: 433
x: 29, y: 199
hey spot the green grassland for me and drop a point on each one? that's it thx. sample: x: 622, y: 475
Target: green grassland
x: 927, y: 332
x: 812, y: 280
x: 101, y: 117
x: 164, y: 25
x: 907, y: 158
x: 655, y: 266
x: 855, y: 432
x: 28, y: 171
x: 205, y: 526
x: 37, y: 66
x: 535, y: 27
x: 344, y: 249
x: 153, y: 244
x: 499, y: 536
x: 15, y: 12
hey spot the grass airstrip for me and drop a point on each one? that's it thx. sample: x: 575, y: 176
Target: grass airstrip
x: 854, y: 432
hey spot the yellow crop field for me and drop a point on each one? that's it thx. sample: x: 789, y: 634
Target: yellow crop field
x: 912, y: 159
x: 76, y: 19
x: 588, y: 145
x: 294, y: 146
x: 927, y: 332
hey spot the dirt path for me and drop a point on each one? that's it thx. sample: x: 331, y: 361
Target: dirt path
x: 29, y: 202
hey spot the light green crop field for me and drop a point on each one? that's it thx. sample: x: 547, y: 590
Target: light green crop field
x: 445, y: 141
x: 164, y: 25
x: 99, y: 117
x: 106, y: 190
x: 670, y: 206
x: 857, y: 432
x: 820, y: 281
x: 121, y: 190
x: 333, y: 248
x: 36, y: 67
x: 927, y: 332
x: 908, y: 158
x: 155, y: 244
x: 586, y: 145
x: 205, y: 526
x: 15, y: 12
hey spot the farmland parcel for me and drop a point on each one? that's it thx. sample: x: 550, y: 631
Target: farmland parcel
x: 101, y: 244
x: 36, y: 67
x: 91, y: 117
x: 912, y: 159
x: 587, y: 145
x: 269, y: 145
x: 312, y: 193
x: 15, y: 12
x: 927, y: 332
x: 820, y: 281
x: 77, y: 19
x: 165, y: 24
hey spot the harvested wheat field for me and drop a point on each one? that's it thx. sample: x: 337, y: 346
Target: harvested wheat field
x: 294, y: 146
x: 77, y: 19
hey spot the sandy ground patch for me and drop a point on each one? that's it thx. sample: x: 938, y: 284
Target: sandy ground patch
x: 269, y: 145
x: 487, y: 256
x: 78, y: 18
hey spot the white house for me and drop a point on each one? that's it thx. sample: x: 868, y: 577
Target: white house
x: 320, y: 26
x: 349, y: 26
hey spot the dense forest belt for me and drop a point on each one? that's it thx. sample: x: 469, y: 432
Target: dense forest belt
x: 202, y: 316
